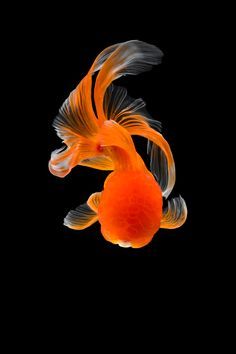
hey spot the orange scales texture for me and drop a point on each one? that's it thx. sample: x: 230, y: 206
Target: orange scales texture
x: 130, y: 209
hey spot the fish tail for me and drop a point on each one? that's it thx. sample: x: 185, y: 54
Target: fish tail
x: 128, y: 58
x: 62, y: 161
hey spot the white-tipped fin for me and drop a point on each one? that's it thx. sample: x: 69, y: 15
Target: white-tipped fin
x: 126, y: 110
x: 129, y: 58
x: 62, y: 161
x: 175, y: 214
x: 159, y: 167
x: 80, y: 218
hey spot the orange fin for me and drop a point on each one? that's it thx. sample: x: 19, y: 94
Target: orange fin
x: 120, y: 107
x: 162, y: 161
x: 102, y: 57
x: 75, y: 121
x: 76, y: 116
x: 119, y: 145
x: 175, y: 214
x: 94, y: 201
x: 128, y: 58
x: 99, y: 162
x: 159, y: 166
x: 84, y: 215
x: 62, y: 161
x: 80, y: 218
x: 130, y: 113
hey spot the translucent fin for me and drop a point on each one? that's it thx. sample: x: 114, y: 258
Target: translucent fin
x: 102, y: 57
x: 76, y: 116
x: 118, y: 103
x: 159, y: 165
x: 175, y: 214
x: 80, y: 218
x: 155, y: 124
x: 94, y: 201
x: 165, y: 173
x: 120, y: 107
x: 84, y: 152
x: 62, y: 161
x: 129, y: 112
x: 99, y: 162
x: 129, y: 58
x: 149, y: 147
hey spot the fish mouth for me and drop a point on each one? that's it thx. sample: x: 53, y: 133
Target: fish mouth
x: 124, y: 244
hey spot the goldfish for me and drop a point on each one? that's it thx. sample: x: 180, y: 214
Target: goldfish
x: 96, y: 124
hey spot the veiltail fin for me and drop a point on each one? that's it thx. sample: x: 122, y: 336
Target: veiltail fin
x: 75, y: 120
x: 120, y: 107
x: 131, y: 115
x: 128, y: 58
x: 102, y: 57
x: 76, y: 116
x: 175, y: 214
x: 84, y: 215
x: 112, y: 148
x: 162, y: 164
x: 62, y: 161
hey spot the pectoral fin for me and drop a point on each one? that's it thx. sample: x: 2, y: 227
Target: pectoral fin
x: 175, y: 214
x: 84, y: 215
x: 80, y: 218
x: 94, y: 201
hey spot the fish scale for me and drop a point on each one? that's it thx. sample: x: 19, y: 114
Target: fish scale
x: 128, y: 220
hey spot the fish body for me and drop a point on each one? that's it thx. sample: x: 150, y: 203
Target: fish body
x: 130, y: 206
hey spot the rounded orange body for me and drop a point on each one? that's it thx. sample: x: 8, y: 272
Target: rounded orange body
x: 130, y: 209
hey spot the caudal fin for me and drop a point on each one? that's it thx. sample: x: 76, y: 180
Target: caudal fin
x: 128, y: 58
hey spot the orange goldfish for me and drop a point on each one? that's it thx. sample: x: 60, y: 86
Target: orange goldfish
x: 130, y: 207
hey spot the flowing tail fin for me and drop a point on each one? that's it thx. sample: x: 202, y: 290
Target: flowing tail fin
x: 128, y: 58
